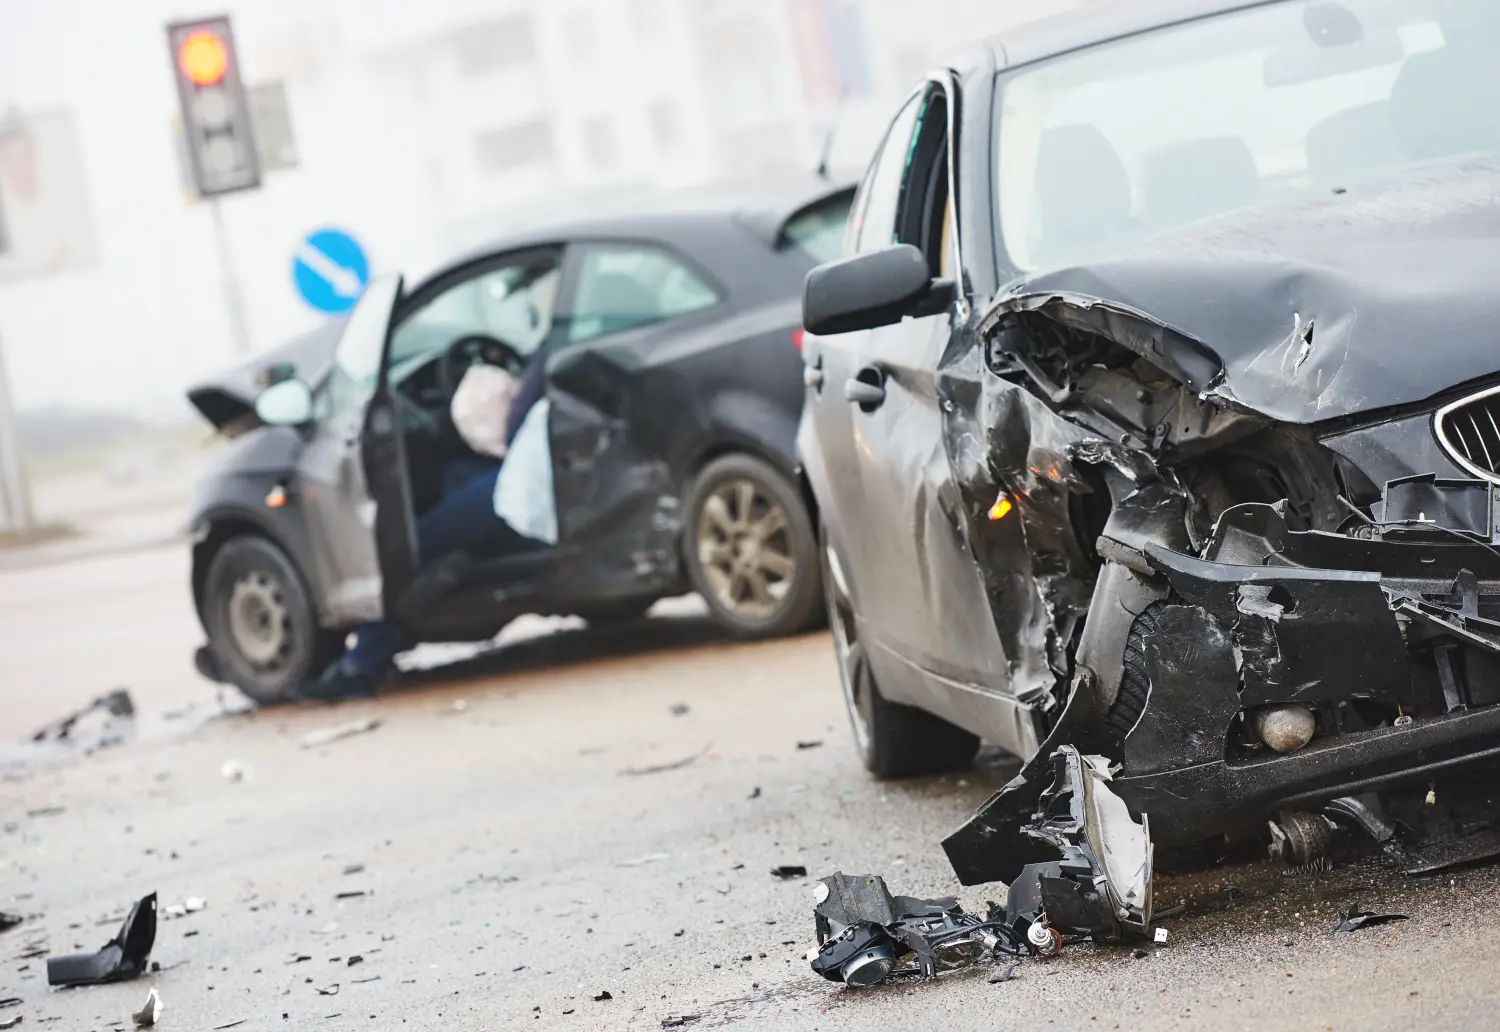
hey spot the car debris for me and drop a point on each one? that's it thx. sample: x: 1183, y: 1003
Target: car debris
x: 649, y: 858
x: 234, y: 770
x: 866, y: 935
x: 602, y: 995
x: 813, y: 744
x: 1356, y: 919
x: 122, y: 958
x: 9, y: 920
x: 677, y: 709
x: 679, y: 1020
x: 789, y: 871
x: 658, y: 768
x: 1005, y: 974
x: 327, y: 735
x: 11, y: 1022
x: 1074, y: 859
x: 109, y: 708
x: 148, y: 1015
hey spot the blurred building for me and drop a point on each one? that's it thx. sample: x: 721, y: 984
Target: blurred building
x: 421, y: 128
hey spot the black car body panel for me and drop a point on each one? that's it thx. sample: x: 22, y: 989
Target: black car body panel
x: 634, y: 414
x: 1248, y: 466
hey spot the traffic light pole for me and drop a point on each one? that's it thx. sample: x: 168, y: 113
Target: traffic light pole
x: 234, y: 302
x: 15, y: 492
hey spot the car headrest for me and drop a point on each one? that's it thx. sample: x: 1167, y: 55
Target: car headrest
x: 1081, y: 189
x: 1444, y: 103
x: 1350, y: 144
x: 1198, y: 178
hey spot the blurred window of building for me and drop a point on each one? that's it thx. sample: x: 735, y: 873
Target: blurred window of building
x: 666, y: 124
x: 513, y: 146
x: 599, y: 142
x: 583, y: 38
x: 494, y: 46
x: 644, y: 19
x: 625, y: 286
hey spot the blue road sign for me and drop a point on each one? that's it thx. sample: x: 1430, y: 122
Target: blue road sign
x: 330, y: 270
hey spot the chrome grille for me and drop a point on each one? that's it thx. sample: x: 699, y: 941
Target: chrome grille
x: 1469, y: 431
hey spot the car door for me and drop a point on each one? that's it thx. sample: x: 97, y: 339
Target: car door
x: 351, y: 474
x: 930, y: 621
x: 617, y: 500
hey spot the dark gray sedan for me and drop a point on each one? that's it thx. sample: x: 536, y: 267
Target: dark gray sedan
x: 674, y: 384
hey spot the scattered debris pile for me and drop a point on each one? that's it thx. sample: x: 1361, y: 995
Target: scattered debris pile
x: 107, y: 721
x: 1078, y: 866
x: 866, y: 935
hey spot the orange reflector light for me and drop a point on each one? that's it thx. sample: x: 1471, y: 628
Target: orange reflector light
x: 276, y: 497
x: 1001, y: 507
x: 203, y: 58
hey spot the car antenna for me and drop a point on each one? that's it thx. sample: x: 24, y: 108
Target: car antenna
x: 833, y: 128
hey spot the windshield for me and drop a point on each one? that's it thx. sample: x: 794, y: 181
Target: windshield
x: 1110, y: 146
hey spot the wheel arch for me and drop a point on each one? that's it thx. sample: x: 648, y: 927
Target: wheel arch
x: 212, y: 530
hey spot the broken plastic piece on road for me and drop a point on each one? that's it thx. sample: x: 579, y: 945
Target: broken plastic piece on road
x: 658, y: 768
x: 9, y: 920
x: 327, y: 735
x: 113, y: 705
x: 865, y: 934
x: 147, y: 1016
x: 1356, y: 919
x: 678, y: 1020
x: 815, y: 743
x: 754, y: 793
x: 602, y: 995
x: 234, y: 770
x: 789, y: 871
x: 122, y: 958
x: 11, y: 1022
x: 1159, y: 936
x: 649, y: 858
x: 677, y: 709
x: 1005, y: 974
x: 353, y: 868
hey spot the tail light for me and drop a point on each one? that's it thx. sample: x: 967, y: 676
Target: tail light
x: 797, y: 336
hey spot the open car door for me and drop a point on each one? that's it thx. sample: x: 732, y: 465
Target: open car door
x: 352, y: 473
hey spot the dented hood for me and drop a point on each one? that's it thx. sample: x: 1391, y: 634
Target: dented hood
x: 1380, y: 296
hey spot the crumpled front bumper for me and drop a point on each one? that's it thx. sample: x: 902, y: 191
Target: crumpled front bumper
x: 1408, y: 624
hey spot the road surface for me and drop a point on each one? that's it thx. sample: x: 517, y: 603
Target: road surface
x: 505, y: 866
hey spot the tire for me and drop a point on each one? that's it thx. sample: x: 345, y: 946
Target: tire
x: 894, y: 741
x: 1135, y: 682
x: 750, y: 549
x: 263, y: 632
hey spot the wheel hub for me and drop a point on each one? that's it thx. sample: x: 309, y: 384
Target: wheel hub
x: 745, y: 549
x: 258, y: 619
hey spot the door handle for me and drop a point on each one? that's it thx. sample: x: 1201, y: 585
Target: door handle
x: 863, y: 393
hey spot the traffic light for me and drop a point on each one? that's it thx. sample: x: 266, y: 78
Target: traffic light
x: 215, y: 114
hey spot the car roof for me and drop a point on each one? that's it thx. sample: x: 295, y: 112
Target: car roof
x: 762, y: 208
x: 1099, y: 23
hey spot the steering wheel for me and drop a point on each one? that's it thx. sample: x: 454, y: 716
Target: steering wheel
x: 473, y: 349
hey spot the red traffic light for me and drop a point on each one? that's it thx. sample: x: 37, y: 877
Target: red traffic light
x: 203, y: 58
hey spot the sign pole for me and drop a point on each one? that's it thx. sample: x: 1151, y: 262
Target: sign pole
x: 234, y: 303
x: 15, y: 492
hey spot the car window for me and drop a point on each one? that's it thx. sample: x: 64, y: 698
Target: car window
x: 818, y: 231
x: 1130, y: 140
x: 873, y: 225
x: 356, y: 358
x: 512, y: 302
x: 626, y: 286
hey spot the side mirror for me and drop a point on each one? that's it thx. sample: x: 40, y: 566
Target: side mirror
x: 287, y: 403
x: 870, y: 290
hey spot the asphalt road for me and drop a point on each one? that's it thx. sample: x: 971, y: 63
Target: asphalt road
x: 512, y: 867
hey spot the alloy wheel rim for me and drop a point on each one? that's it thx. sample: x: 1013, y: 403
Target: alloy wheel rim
x: 853, y: 674
x: 745, y: 549
x: 259, y: 621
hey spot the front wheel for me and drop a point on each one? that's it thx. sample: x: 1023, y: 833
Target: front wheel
x: 750, y: 548
x: 263, y: 632
x: 893, y: 740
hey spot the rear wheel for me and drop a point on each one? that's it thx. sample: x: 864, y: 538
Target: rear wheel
x: 262, y: 629
x: 750, y: 548
x: 894, y: 741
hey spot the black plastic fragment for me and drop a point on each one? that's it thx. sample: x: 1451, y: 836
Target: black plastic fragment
x: 122, y: 958
x: 1356, y: 919
x: 790, y: 871
x: 9, y: 920
x: 1004, y: 975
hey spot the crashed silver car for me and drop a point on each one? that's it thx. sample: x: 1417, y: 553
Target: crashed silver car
x: 1154, y: 413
